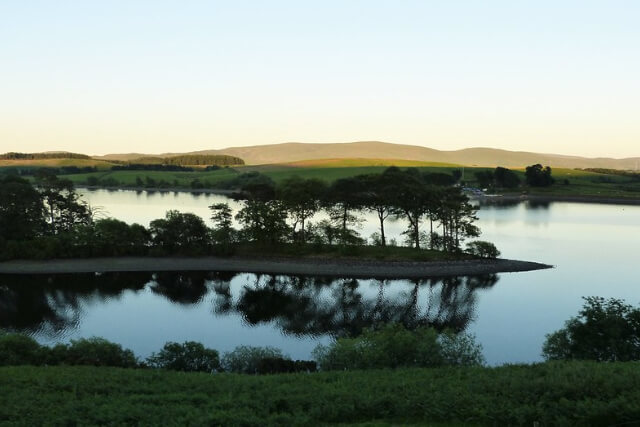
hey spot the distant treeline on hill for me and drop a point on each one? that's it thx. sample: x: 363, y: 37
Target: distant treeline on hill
x: 191, y: 160
x: 151, y: 167
x: 41, y: 156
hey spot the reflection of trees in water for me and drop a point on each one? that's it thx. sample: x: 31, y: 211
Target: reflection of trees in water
x: 50, y: 305
x: 311, y: 306
x: 497, y: 203
x: 180, y: 287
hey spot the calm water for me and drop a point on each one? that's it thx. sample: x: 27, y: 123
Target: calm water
x: 594, y: 248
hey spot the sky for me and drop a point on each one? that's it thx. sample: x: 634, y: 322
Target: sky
x: 174, y: 76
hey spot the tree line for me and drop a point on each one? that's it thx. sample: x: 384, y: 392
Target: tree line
x: 392, y: 346
x: 535, y: 176
x: 190, y: 160
x: 49, y: 219
x: 437, y: 212
x: 42, y: 156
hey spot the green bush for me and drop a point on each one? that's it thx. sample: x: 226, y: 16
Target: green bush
x: 247, y: 359
x: 393, y: 346
x: 460, y: 349
x: 604, y: 330
x: 187, y: 357
x: 482, y: 249
x: 93, y: 351
x: 17, y: 349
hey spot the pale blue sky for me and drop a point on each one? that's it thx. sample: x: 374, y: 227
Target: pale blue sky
x: 156, y: 76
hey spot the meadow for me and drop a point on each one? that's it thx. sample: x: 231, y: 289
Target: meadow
x: 558, y: 393
x: 569, y: 182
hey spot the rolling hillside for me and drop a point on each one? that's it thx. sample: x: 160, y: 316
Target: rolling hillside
x: 295, y: 152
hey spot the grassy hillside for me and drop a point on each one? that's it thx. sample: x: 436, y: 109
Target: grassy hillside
x: 490, y: 157
x: 361, y: 162
x: 39, y: 163
x: 569, y: 182
x: 212, y: 178
x: 570, y: 393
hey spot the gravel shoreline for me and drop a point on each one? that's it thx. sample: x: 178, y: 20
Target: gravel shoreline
x: 293, y: 266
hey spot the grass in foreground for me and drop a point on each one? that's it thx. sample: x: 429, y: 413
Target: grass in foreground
x: 570, y: 393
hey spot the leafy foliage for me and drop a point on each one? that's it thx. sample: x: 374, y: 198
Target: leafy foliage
x: 247, y: 359
x: 17, y: 349
x: 506, y: 178
x: 570, y: 393
x: 21, y: 210
x: 180, y: 232
x: 538, y: 176
x: 189, y: 356
x: 482, y: 249
x: 93, y: 351
x: 604, y: 330
x: 393, y: 346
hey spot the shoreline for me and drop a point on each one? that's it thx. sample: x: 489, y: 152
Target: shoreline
x: 497, y: 198
x: 362, y: 269
x: 557, y: 198
x: 220, y: 191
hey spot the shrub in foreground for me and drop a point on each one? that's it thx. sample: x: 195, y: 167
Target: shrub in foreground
x: 93, y: 351
x: 281, y: 365
x: 546, y: 394
x: 393, y: 346
x: 246, y: 359
x: 604, y: 330
x: 190, y: 356
x: 17, y: 349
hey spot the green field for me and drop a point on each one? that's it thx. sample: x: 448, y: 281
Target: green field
x: 583, y: 183
x: 360, y: 162
x: 212, y: 178
x: 55, y: 163
x: 569, y: 182
x: 569, y: 393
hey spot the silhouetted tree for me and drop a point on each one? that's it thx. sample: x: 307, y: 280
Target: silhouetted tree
x: 506, y: 178
x: 301, y: 198
x: 63, y: 205
x: 263, y: 221
x: 180, y: 232
x: 21, y: 209
x: 538, y: 176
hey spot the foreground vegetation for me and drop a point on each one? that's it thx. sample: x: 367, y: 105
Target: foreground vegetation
x: 386, y: 376
x: 559, y: 393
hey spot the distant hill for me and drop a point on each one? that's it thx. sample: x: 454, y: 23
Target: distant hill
x: 295, y: 152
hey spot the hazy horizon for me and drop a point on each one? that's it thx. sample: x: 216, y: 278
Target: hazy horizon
x: 158, y: 76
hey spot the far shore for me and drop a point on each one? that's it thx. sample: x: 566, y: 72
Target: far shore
x: 558, y: 198
x: 487, y: 198
x: 276, y: 265
x: 221, y: 191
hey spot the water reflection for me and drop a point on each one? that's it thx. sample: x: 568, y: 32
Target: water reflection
x: 312, y: 306
x: 49, y: 307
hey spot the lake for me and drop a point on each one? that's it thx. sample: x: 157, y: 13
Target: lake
x: 592, y: 246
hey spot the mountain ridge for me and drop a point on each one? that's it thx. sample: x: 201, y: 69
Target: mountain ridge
x: 476, y: 156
